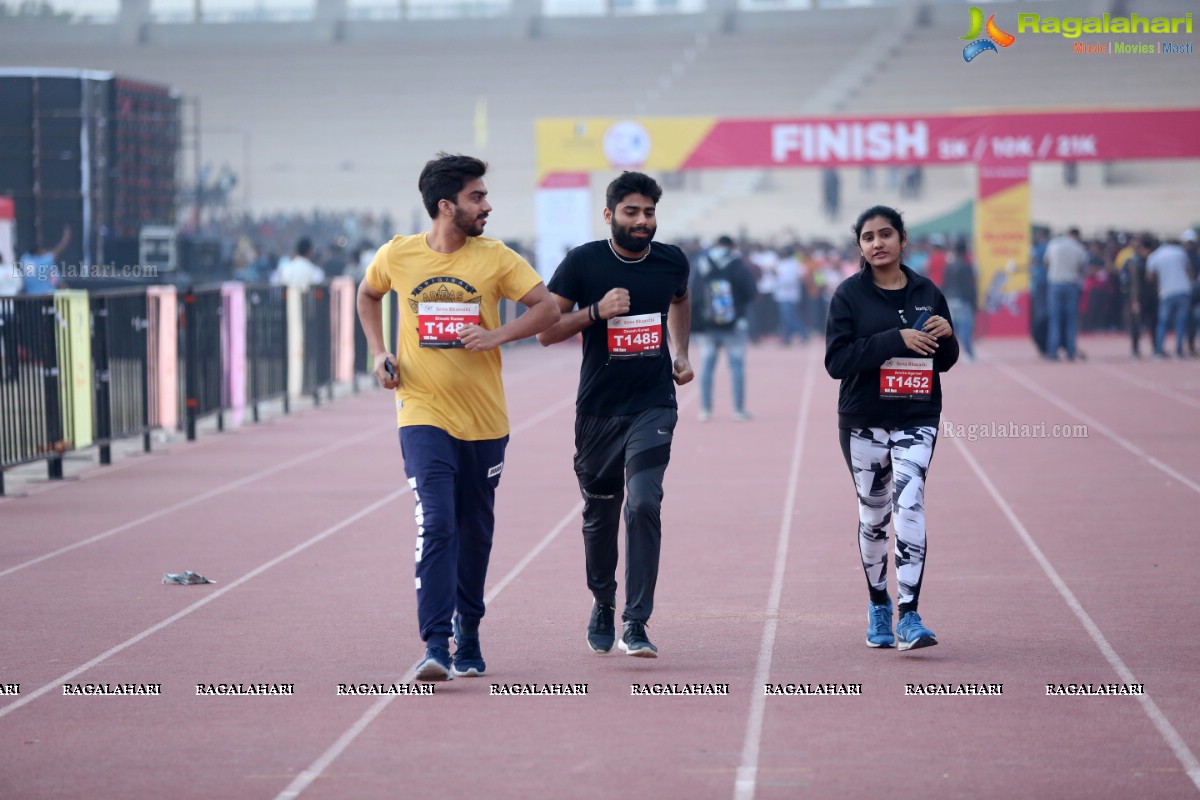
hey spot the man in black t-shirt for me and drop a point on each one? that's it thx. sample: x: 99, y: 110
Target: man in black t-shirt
x: 623, y: 289
x: 722, y: 290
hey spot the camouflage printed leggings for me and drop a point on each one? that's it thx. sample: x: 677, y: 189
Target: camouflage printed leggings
x: 873, y: 455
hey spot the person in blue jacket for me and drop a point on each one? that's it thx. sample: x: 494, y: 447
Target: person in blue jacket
x: 888, y: 338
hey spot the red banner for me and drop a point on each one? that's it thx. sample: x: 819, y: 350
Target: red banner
x: 996, y: 138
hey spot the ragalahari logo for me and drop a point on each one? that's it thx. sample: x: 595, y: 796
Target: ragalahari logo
x: 995, y: 36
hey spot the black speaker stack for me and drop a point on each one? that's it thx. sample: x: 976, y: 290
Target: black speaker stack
x: 90, y: 150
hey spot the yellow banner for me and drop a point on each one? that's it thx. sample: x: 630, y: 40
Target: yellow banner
x: 74, y: 343
x: 597, y: 144
x: 1002, y: 244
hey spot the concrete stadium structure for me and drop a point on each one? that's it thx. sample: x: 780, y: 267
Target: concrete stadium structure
x: 340, y: 113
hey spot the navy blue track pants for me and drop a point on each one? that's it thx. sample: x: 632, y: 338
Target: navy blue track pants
x: 454, y: 487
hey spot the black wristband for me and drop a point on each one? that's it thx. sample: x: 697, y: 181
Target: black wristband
x: 596, y: 311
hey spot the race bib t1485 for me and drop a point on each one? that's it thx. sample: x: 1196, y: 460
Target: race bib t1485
x: 635, y: 336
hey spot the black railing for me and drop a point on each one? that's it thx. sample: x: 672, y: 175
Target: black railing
x: 31, y: 424
x: 362, y: 354
x: 266, y: 346
x: 121, y: 365
x: 79, y: 369
x: 318, y: 343
x: 200, y: 352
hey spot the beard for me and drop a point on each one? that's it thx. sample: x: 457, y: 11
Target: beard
x: 624, y: 238
x: 469, y: 225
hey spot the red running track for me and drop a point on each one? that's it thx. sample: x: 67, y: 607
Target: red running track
x: 1051, y: 561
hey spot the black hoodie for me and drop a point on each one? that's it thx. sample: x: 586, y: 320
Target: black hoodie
x: 863, y: 331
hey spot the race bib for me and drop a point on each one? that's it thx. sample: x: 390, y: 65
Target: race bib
x: 910, y: 378
x: 635, y: 336
x: 438, y: 324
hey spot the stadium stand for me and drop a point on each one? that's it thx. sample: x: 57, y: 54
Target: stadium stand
x: 344, y: 119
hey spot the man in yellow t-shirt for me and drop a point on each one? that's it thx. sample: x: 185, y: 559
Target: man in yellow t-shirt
x: 449, y: 395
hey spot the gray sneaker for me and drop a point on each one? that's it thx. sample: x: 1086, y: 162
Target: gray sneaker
x: 634, y: 642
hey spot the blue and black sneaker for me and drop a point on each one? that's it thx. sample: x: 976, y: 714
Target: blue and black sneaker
x: 913, y: 634
x: 602, y: 631
x: 468, y: 660
x: 634, y: 641
x: 436, y: 664
x: 879, y: 625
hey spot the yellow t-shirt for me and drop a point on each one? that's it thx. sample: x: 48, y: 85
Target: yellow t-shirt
x: 449, y: 387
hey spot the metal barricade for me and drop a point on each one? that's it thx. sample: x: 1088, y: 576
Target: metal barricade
x: 121, y: 364
x: 162, y: 306
x: 318, y: 343
x: 362, y: 352
x: 31, y: 424
x: 200, y: 334
x: 266, y: 346
x: 343, y: 322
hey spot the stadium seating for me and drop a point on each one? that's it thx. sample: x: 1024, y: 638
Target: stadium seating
x: 347, y: 124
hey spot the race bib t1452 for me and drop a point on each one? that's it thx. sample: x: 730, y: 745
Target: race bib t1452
x: 910, y: 378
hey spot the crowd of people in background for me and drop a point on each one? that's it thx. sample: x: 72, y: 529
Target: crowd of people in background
x: 1124, y: 281
x: 1116, y: 282
x: 258, y: 249
x: 1120, y: 281
x: 794, y: 281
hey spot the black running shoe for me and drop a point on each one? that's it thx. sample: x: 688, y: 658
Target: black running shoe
x: 634, y: 641
x: 468, y: 659
x: 602, y: 632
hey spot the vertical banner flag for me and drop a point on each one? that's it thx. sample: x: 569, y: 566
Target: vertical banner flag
x: 1001, y: 248
x: 564, y: 219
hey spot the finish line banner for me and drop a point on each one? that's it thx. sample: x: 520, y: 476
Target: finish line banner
x: 1001, y: 146
x: 596, y: 144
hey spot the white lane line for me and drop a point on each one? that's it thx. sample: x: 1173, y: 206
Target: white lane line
x: 66, y: 678
x: 1095, y: 424
x: 130, y: 642
x: 545, y: 413
x: 747, y: 772
x: 200, y: 498
x: 299, y: 415
x: 1162, y: 390
x: 96, y: 470
x: 1168, y: 732
x: 314, y: 770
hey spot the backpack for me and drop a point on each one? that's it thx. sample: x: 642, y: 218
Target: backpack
x: 713, y: 300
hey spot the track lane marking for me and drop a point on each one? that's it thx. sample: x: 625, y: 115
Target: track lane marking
x: 747, y: 772
x: 1166, y: 730
x: 1045, y: 394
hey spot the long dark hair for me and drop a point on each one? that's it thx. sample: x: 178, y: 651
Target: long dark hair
x: 887, y: 212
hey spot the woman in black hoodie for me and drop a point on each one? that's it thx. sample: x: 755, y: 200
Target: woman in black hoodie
x: 887, y: 339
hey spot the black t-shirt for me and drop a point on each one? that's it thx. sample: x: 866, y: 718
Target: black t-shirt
x: 896, y: 297
x: 611, y: 384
